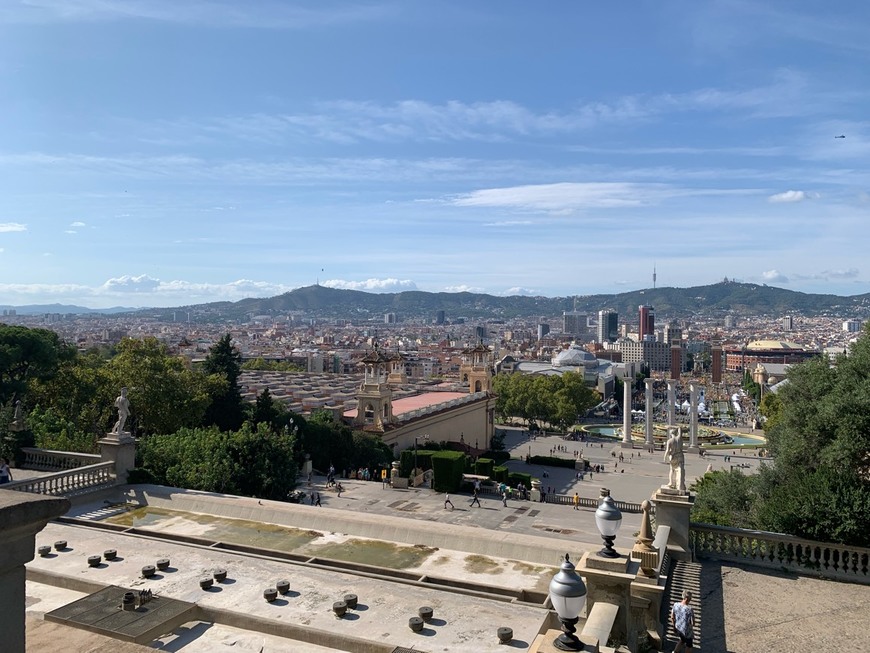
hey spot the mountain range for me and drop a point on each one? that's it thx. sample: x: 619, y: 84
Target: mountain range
x: 726, y: 297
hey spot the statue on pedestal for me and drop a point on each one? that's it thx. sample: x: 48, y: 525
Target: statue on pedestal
x: 674, y: 455
x: 123, y: 406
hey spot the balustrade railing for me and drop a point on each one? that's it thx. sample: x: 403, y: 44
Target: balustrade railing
x: 779, y: 551
x: 69, y: 482
x: 47, y: 460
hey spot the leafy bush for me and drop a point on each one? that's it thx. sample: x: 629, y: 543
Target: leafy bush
x: 483, y: 467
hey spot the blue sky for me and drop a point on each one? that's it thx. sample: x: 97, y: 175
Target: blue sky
x: 160, y: 152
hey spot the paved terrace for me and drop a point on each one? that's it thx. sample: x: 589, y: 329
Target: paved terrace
x: 743, y: 609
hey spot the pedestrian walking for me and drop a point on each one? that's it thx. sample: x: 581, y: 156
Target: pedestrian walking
x: 504, y: 498
x: 683, y: 621
x: 475, y: 499
x: 447, y: 502
x: 5, y: 472
x: 340, y: 489
x: 317, y: 500
x: 576, y: 501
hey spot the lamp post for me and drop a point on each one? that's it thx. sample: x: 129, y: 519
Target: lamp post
x: 608, y: 519
x: 567, y: 594
x: 425, y: 436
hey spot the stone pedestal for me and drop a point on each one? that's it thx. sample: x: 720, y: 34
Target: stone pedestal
x: 119, y: 448
x: 673, y: 509
x: 22, y: 516
x: 609, y: 580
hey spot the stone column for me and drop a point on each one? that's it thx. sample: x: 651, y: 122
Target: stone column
x: 672, y: 398
x: 672, y: 510
x: 119, y: 448
x: 648, y: 413
x: 693, y: 419
x: 626, y: 413
x: 22, y: 516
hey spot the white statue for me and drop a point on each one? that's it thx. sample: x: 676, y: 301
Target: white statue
x: 123, y: 406
x: 674, y: 455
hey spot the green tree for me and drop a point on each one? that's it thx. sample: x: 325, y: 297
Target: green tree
x: 271, y: 366
x: 725, y: 498
x: 771, y: 408
x: 249, y: 462
x: 52, y: 431
x: 818, y: 486
x: 225, y: 362
x: 164, y: 394
x: 27, y: 354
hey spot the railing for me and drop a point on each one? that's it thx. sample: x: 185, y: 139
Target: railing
x: 586, y: 502
x: 54, y: 461
x: 778, y: 551
x: 70, y: 482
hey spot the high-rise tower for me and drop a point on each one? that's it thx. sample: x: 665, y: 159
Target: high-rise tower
x: 647, y: 322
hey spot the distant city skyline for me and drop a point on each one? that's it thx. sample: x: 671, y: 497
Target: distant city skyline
x: 158, y: 153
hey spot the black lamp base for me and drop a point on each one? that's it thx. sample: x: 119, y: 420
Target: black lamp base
x: 608, y: 551
x: 568, y: 641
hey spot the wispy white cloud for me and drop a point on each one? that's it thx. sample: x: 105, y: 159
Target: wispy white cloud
x: 518, y: 290
x: 463, y: 288
x: 829, y: 275
x: 266, y: 14
x: 774, y: 276
x: 372, y: 285
x: 788, y: 196
x: 567, y: 197
x: 7, y: 227
x: 140, y: 290
x: 508, y: 223
x: 77, y: 224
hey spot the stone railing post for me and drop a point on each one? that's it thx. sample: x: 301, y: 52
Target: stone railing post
x: 119, y: 448
x: 673, y: 510
x: 22, y: 516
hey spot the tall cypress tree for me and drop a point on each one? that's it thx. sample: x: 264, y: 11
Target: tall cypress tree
x: 226, y: 410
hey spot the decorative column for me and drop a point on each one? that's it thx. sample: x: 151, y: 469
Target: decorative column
x: 22, y: 516
x: 672, y: 399
x: 648, y: 413
x: 693, y: 419
x: 626, y: 413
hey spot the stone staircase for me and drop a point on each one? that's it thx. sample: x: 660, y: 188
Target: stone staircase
x: 682, y: 576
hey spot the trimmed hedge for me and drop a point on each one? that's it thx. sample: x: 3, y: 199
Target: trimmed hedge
x: 519, y: 477
x: 500, y: 474
x: 484, y: 466
x: 552, y: 461
x: 448, y: 467
x: 406, y: 460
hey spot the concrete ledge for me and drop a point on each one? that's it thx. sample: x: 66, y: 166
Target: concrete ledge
x: 599, y: 623
x: 529, y: 548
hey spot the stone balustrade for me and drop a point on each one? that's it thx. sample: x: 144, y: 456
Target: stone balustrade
x: 69, y: 482
x: 46, y: 460
x: 779, y: 551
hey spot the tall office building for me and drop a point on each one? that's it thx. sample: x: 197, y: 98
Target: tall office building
x: 852, y: 326
x: 543, y: 329
x: 389, y: 318
x: 673, y: 332
x: 787, y: 323
x: 439, y: 317
x: 575, y: 323
x: 608, y: 326
x: 647, y: 322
